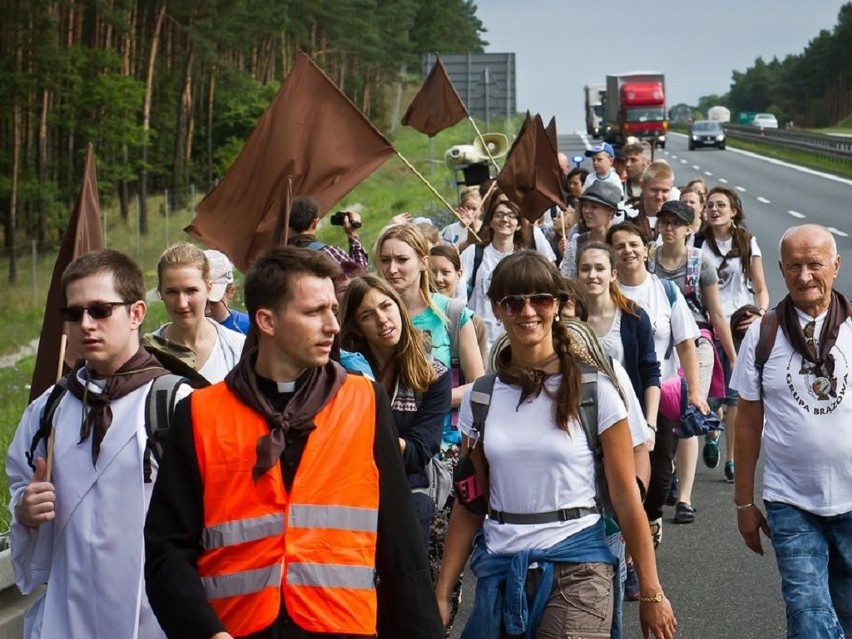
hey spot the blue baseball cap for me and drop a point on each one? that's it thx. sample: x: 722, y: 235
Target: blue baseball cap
x: 601, y: 148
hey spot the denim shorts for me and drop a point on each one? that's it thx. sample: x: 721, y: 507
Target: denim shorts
x: 814, y: 557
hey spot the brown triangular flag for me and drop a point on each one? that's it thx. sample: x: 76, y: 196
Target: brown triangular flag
x: 530, y: 176
x: 551, y: 134
x: 310, y: 132
x: 82, y: 236
x: 437, y: 105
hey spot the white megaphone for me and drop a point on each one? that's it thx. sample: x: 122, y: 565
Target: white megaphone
x: 461, y: 155
x: 496, y: 143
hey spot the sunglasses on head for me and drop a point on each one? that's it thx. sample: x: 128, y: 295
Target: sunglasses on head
x: 514, y: 304
x: 95, y: 311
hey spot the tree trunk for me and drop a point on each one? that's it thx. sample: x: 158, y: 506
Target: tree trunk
x: 211, y: 93
x: 146, y: 120
x: 11, y: 222
x: 183, y: 134
x: 41, y: 162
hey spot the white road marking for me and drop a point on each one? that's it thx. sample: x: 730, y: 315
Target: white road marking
x: 695, y: 167
x: 723, y: 180
x: 801, y: 216
x: 683, y: 161
x: 741, y: 189
x: 837, y: 232
x: 674, y: 157
x: 708, y: 174
x: 763, y: 200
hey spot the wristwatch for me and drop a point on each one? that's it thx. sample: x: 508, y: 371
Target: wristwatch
x: 657, y: 598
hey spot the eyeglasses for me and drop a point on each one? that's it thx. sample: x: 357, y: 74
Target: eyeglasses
x: 95, y: 311
x: 499, y: 215
x: 514, y: 304
x: 716, y: 205
x: 670, y: 221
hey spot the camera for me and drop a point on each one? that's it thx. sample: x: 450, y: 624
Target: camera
x: 339, y: 218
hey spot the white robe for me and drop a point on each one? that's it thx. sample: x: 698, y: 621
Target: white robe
x: 92, y: 554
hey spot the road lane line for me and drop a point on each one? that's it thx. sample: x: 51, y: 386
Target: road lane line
x: 683, y: 161
x: 741, y: 189
x: 837, y: 232
x: 723, y: 180
x: 708, y: 174
x: 763, y: 200
x: 695, y: 167
x: 801, y: 216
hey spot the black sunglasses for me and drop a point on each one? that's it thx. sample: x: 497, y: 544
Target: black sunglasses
x: 95, y: 311
x: 514, y: 304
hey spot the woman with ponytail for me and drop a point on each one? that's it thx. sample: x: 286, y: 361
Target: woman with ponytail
x: 735, y: 255
x: 537, y: 474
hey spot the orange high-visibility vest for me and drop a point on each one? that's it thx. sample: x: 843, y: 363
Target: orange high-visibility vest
x: 314, y: 547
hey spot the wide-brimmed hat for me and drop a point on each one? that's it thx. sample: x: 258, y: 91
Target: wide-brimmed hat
x: 604, y: 193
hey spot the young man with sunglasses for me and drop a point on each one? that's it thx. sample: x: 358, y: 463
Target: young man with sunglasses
x: 79, y: 504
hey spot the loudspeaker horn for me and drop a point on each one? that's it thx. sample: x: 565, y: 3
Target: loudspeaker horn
x: 498, y: 145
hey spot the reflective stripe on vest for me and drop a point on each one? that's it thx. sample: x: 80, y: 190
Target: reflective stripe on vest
x: 334, y: 517
x: 242, y: 583
x: 242, y: 530
x: 312, y: 548
x: 329, y: 576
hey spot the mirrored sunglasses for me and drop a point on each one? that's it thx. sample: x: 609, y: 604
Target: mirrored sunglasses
x: 514, y: 304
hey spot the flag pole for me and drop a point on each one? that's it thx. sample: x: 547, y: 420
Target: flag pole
x: 51, y: 439
x: 438, y: 195
x: 484, y: 144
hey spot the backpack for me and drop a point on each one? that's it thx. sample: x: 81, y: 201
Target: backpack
x: 671, y: 293
x: 478, y: 253
x: 769, y: 324
x: 455, y: 310
x: 159, y: 409
x: 480, y: 400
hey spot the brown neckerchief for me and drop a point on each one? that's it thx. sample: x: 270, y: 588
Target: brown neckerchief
x: 135, y: 372
x: 315, y: 388
x: 531, y: 380
x: 838, y: 312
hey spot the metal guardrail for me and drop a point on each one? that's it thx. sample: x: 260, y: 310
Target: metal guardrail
x: 834, y: 147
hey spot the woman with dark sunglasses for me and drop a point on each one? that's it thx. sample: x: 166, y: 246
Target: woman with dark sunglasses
x: 535, y: 464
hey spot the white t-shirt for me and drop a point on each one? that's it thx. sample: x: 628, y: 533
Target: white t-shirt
x: 535, y: 467
x: 635, y: 416
x: 454, y: 233
x: 542, y: 245
x: 225, y: 354
x: 807, y: 436
x: 733, y: 287
x: 611, y: 342
x: 611, y: 177
x: 478, y: 300
x: 667, y: 321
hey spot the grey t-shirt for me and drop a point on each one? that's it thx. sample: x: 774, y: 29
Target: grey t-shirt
x: 707, y: 277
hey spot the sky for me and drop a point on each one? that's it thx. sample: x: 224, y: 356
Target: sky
x: 562, y: 45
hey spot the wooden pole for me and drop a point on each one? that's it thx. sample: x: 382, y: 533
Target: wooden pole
x: 484, y: 144
x: 51, y: 439
x: 438, y: 195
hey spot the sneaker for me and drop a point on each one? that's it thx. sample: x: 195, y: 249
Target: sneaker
x: 710, y: 452
x: 729, y: 471
x: 631, y: 584
x: 656, y: 526
x: 671, y: 499
x: 684, y: 513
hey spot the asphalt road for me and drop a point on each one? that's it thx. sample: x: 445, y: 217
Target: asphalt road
x: 718, y: 588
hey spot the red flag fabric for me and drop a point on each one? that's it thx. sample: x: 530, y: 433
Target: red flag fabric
x: 82, y: 236
x: 312, y: 133
x: 437, y: 105
x: 530, y: 177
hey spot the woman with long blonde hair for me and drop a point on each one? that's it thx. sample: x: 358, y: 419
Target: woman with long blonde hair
x: 183, y: 276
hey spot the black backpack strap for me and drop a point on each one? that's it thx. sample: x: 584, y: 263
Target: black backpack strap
x: 159, y: 409
x: 45, y: 422
x: 769, y: 324
x: 478, y: 253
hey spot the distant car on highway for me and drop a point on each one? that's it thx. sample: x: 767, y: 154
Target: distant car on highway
x: 706, y: 133
x: 765, y: 121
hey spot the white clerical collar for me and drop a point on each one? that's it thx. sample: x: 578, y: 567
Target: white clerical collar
x: 286, y: 387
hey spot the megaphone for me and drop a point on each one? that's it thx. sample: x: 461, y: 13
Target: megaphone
x: 497, y: 144
x: 461, y: 154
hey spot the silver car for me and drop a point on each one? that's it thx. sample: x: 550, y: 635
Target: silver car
x: 765, y: 121
x: 706, y: 133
